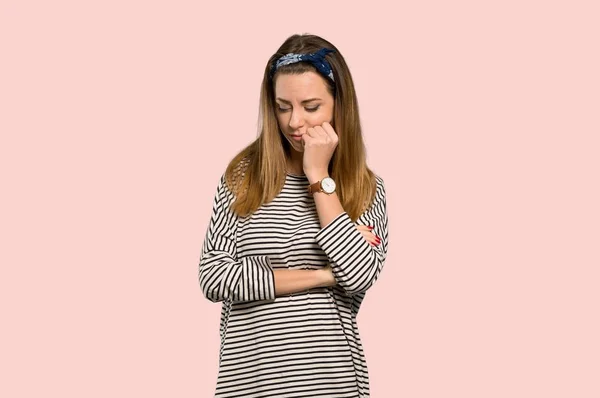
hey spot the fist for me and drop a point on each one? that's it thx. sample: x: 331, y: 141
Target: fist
x: 319, y: 143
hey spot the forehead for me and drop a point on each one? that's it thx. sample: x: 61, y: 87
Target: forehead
x: 305, y: 85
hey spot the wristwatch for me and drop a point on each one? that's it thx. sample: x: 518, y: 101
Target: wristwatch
x: 326, y: 185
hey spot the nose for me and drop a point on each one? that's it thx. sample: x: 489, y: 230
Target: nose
x: 296, y: 120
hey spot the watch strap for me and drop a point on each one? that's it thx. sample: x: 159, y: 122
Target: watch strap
x: 316, y: 187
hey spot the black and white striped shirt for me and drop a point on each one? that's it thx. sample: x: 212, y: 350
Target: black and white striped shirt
x: 303, y: 344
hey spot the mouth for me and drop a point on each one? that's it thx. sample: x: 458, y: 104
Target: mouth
x: 296, y: 137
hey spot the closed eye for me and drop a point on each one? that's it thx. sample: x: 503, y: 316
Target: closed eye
x: 307, y: 109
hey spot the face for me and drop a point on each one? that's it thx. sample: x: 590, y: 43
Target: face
x: 302, y: 101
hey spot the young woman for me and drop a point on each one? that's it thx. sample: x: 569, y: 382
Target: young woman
x: 297, y: 235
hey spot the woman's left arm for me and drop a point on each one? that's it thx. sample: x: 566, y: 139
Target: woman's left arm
x: 356, y: 264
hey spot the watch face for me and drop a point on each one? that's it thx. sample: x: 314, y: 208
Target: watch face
x: 328, y: 185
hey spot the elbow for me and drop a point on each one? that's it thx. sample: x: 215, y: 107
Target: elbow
x: 358, y: 287
x: 212, y: 284
x: 250, y: 279
x: 360, y: 280
x: 213, y: 298
x: 209, y: 293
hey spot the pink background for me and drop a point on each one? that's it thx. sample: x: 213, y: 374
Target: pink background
x: 118, y: 118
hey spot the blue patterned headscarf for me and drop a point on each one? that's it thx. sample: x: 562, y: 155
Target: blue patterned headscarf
x: 317, y: 59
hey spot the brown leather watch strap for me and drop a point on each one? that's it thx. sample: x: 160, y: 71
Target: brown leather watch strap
x: 316, y: 187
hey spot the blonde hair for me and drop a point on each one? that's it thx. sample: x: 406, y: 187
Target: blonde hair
x: 257, y: 174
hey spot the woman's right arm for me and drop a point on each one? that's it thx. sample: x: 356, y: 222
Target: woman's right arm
x: 297, y: 280
x: 223, y: 276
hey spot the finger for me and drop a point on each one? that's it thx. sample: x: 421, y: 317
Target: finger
x: 328, y: 128
x: 365, y: 228
x: 305, y: 138
x: 369, y: 237
x: 320, y: 131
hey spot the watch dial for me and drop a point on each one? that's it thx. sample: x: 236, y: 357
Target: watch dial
x: 328, y: 185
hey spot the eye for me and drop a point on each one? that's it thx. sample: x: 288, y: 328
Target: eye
x: 307, y: 109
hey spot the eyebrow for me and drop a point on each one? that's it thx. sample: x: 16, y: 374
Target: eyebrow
x: 303, y: 102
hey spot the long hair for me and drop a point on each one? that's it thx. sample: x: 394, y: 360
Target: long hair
x: 257, y: 174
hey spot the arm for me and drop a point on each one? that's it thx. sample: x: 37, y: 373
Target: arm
x: 356, y: 264
x: 298, y: 280
x: 221, y: 274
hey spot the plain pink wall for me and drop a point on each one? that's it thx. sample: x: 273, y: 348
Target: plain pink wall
x: 118, y: 117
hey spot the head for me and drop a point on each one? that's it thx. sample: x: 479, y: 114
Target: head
x: 282, y: 97
x: 302, y: 100
x: 288, y: 107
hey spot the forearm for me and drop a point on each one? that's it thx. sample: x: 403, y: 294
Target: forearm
x: 298, y: 280
x: 222, y: 277
x: 356, y: 264
x: 328, y: 206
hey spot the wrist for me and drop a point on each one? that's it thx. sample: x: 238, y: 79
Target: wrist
x: 316, y: 175
x: 325, y: 277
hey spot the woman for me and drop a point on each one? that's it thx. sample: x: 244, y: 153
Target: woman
x: 297, y: 235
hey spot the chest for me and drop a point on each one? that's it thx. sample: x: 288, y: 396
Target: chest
x: 283, y: 229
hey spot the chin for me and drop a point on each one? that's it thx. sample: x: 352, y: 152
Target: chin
x: 295, y: 146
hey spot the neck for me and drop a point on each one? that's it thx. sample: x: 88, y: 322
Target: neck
x: 294, y: 163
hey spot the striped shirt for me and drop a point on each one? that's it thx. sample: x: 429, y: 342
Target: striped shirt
x: 303, y: 344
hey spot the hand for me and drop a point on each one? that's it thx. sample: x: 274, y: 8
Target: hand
x: 368, y: 234
x: 319, y: 143
x: 328, y: 279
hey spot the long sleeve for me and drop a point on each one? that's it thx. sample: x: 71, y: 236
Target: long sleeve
x: 355, y: 263
x: 222, y: 275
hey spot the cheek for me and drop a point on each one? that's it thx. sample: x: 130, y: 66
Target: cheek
x: 320, y: 117
x: 327, y: 111
x: 282, y: 121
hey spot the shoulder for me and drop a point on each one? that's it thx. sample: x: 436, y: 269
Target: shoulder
x: 376, y: 197
x: 379, y: 182
x: 379, y: 188
x: 233, y: 177
x: 379, y: 197
x: 378, y: 208
x: 239, y: 169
